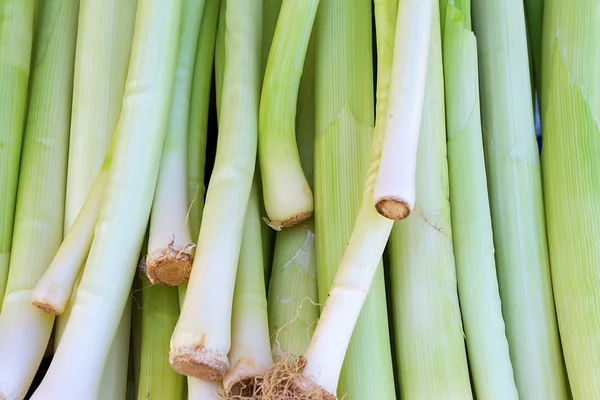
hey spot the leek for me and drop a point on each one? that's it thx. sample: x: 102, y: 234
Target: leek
x: 287, y: 195
x: 201, y: 341
x: 99, y: 302
x: 487, y: 346
x: 570, y: 166
x: 53, y: 291
x: 250, y: 354
x: 159, y: 309
x: 344, y: 120
x: 40, y: 197
x: 16, y: 26
x: 199, y: 104
x: 430, y: 349
x: 170, y: 246
x: 514, y: 183
x: 292, y: 296
x: 394, y: 191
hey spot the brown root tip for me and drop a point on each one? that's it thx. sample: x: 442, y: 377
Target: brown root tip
x: 285, y: 382
x: 293, y: 221
x: 171, y: 266
x: 50, y: 309
x: 393, y: 208
x: 243, y: 389
x: 199, y: 362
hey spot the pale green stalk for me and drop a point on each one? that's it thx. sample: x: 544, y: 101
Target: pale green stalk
x: 53, y: 291
x: 287, y: 195
x: 344, y: 132
x: 199, y: 107
x: 250, y: 354
x: 487, y: 346
x: 571, y: 167
x: 159, y: 310
x: 220, y: 56
x: 16, y: 26
x: 292, y: 295
x: 430, y: 347
x: 271, y: 9
x: 515, y: 189
x: 170, y: 243
x: 114, y: 376
x: 38, y: 228
x: 201, y: 341
x: 106, y: 281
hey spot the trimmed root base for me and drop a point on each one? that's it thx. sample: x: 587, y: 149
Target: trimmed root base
x: 171, y: 266
x: 285, y: 382
x: 245, y: 388
x: 293, y: 221
x: 393, y: 208
x: 198, y: 362
x: 49, y: 308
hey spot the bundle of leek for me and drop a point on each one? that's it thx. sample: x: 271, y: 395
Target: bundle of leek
x: 100, y: 302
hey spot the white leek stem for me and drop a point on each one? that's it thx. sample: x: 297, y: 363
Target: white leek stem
x: 250, y: 354
x: 199, y: 389
x: 106, y: 281
x: 53, y: 291
x: 287, y: 196
x: 201, y: 340
x: 170, y: 247
x: 394, y: 192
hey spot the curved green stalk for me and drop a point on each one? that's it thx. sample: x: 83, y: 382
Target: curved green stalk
x: 287, y: 196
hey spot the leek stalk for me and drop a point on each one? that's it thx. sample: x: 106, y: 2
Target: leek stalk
x: 287, y: 196
x: 292, y: 295
x: 250, y: 354
x: 159, y: 309
x: 534, y: 10
x: 515, y: 188
x: 487, y: 345
x: 170, y: 247
x: 202, y: 337
x: 570, y: 167
x: 199, y: 106
x: 40, y: 197
x: 430, y: 349
x: 16, y: 26
x: 394, y: 192
x: 99, y: 302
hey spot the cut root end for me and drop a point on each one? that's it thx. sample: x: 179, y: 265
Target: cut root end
x: 47, y: 307
x: 293, y: 221
x: 244, y: 389
x: 171, y: 266
x: 199, y: 362
x: 393, y: 208
x: 285, y: 381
